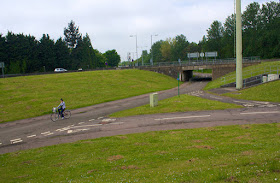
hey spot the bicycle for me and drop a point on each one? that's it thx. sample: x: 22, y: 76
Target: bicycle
x: 55, y: 115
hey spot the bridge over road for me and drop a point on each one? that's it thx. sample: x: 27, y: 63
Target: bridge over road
x: 185, y: 69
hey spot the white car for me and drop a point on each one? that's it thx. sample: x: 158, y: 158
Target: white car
x: 60, y: 70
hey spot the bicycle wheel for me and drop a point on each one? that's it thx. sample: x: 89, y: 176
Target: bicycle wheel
x: 54, y: 117
x: 67, y: 114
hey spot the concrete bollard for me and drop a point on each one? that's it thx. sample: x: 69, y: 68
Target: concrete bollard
x: 264, y: 79
x: 153, y: 99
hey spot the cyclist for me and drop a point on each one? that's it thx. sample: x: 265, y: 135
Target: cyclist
x: 61, y: 108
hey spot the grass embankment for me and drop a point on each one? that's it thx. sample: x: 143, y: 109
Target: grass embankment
x: 25, y: 97
x: 243, y: 153
x: 180, y: 103
x: 269, y: 92
x: 247, y: 72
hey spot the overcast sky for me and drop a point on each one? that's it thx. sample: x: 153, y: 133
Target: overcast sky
x: 110, y: 23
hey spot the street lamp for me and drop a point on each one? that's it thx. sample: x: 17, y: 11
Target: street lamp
x: 152, y: 47
x: 136, y: 45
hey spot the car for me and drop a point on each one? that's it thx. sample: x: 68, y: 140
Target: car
x: 80, y: 69
x: 60, y: 70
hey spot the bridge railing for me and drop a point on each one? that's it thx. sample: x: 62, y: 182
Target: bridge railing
x: 195, y: 62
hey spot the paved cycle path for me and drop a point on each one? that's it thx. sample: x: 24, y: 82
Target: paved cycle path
x: 89, y: 122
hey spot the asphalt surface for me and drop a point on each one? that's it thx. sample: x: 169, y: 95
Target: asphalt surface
x: 91, y: 122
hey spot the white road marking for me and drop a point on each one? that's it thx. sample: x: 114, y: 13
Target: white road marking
x: 81, y: 123
x: 215, y: 97
x: 240, y: 101
x: 31, y: 136
x: 271, y: 112
x: 108, y: 120
x: 187, y: 117
x: 78, y: 130
x: 91, y: 120
x: 15, y: 141
x: 63, y: 129
x: 261, y: 102
x: 249, y: 105
x: 47, y: 133
x: 87, y: 126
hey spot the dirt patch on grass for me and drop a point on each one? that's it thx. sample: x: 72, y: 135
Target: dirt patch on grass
x: 212, y: 129
x: 115, y: 158
x: 91, y: 171
x: 58, y: 165
x: 231, y: 179
x: 247, y: 153
x: 197, y: 141
x: 175, y: 132
x: 246, y: 136
x: 192, y: 160
x: 203, y: 147
x: 141, y: 144
x: 161, y: 152
x: 23, y: 176
x: 130, y: 167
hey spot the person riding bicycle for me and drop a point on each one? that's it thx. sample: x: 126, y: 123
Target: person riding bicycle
x: 61, y: 108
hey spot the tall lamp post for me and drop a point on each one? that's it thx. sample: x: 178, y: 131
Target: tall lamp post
x: 239, y: 80
x: 152, y: 47
x: 136, y: 45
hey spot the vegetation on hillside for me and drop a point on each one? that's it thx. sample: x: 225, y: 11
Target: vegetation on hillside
x: 29, y: 96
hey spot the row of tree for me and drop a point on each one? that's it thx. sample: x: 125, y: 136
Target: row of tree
x: 25, y: 54
x: 261, y: 37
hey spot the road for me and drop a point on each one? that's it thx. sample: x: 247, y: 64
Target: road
x: 91, y: 122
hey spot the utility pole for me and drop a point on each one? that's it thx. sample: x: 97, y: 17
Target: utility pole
x: 239, y: 79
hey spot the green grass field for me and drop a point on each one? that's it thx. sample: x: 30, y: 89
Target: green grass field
x: 247, y: 72
x: 243, y: 153
x: 180, y: 103
x: 30, y: 96
x: 266, y: 92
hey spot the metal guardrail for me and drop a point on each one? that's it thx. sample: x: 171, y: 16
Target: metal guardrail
x: 194, y: 62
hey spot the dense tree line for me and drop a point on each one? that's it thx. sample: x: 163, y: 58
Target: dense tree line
x: 261, y: 37
x: 24, y: 54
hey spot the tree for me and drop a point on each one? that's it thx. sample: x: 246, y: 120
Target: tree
x: 214, y: 36
x: 179, y: 48
x: 62, y: 54
x: 112, y: 57
x: 72, y: 35
x: 228, y: 40
x: 165, y: 49
x: 46, y: 54
x: 156, y: 51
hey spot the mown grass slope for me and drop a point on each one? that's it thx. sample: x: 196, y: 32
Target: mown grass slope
x: 269, y: 92
x: 30, y: 96
x: 264, y: 67
x: 180, y: 103
x: 243, y: 153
